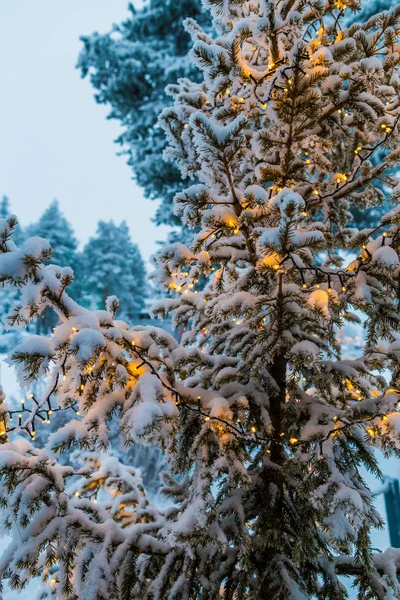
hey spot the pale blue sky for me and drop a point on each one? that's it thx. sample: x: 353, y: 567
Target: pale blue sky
x: 54, y: 139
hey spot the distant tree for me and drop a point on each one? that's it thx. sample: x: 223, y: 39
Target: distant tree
x: 54, y: 227
x: 369, y: 216
x: 5, y: 213
x: 371, y: 8
x: 113, y: 265
x: 8, y: 296
x: 129, y: 68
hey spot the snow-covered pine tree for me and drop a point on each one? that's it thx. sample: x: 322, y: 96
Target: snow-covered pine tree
x: 256, y: 408
x: 54, y: 227
x: 8, y: 297
x: 112, y: 264
x: 129, y: 68
x: 5, y: 213
x: 117, y: 487
x: 369, y: 9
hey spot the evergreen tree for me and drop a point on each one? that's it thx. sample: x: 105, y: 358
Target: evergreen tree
x: 256, y: 408
x: 8, y: 297
x: 112, y: 264
x: 54, y: 227
x: 369, y: 216
x: 5, y: 213
x: 129, y: 68
x: 371, y: 8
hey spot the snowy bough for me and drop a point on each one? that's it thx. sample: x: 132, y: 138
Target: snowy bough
x: 265, y: 425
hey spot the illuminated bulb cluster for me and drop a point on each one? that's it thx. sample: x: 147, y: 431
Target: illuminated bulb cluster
x: 341, y: 178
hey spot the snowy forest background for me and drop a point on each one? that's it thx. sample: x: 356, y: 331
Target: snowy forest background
x: 109, y: 240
